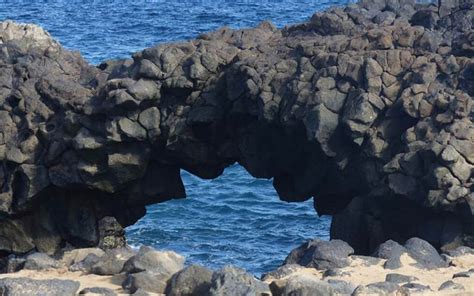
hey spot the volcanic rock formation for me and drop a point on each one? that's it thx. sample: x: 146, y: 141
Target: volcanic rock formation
x: 367, y: 108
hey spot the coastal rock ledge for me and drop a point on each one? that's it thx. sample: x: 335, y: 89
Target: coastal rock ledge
x: 367, y: 108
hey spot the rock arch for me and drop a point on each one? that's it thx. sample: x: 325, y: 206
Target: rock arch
x: 368, y: 108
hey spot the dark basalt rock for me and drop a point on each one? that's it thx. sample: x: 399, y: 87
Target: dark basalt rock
x: 98, y: 291
x: 460, y: 251
x: 282, y: 271
x: 13, y: 264
x: 368, y: 108
x: 464, y: 274
x: 29, y: 287
x: 399, y: 278
x: 112, y: 262
x: 191, y: 281
x: 40, y: 261
x: 342, y: 287
x: 149, y: 259
x: 87, y: 264
x: 381, y: 288
x: 416, y: 288
x: 450, y: 285
x: 424, y: 253
x: 321, y: 254
x: 233, y: 281
x: 147, y: 281
x: 303, y: 285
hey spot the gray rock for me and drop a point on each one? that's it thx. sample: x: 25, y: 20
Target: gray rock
x: 460, y: 251
x: 29, y: 287
x: 233, y: 281
x: 342, y: 287
x: 191, y: 281
x: 14, y: 264
x: 307, y: 285
x: 149, y: 259
x: 335, y: 272
x: 450, y: 285
x: 147, y: 281
x: 390, y: 249
x: 112, y: 262
x: 416, y: 288
x: 141, y: 292
x: 70, y: 257
x: 321, y: 254
x: 99, y: 291
x: 111, y: 233
x: 464, y: 274
x: 40, y: 261
x: 282, y: 272
x: 86, y: 264
x: 424, y: 253
x: 380, y: 288
x: 399, y: 278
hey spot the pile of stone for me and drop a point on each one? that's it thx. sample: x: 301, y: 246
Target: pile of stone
x: 137, y: 272
x: 315, y: 268
x: 333, y: 257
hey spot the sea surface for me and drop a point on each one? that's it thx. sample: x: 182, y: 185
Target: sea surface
x: 234, y: 219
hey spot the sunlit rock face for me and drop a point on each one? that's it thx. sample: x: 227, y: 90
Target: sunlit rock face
x: 368, y: 108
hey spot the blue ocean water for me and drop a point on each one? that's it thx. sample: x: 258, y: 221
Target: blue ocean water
x: 234, y: 219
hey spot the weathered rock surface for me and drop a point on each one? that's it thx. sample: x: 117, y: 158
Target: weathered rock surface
x: 191, y: 281
x: 368, y: 108
x: 149, y: 259
x: 321, y: 254
x: 29, y: 287
x: 147, y: 281
x: 234, y: 281
x: 97, y: 291
x: 303, y: 285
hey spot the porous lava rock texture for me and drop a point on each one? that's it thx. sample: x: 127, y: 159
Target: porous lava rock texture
x: 367, y: 108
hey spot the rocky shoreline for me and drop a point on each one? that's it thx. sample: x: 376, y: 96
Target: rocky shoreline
x: 367, y: 108
x: 315, y: 268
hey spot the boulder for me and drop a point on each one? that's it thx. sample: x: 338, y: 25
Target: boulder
x: 399, y: 278
x: 191, y: 281
x: 380, y: 288
x: 111, y: 233
x: 41, y: 261
x: 342, y: 287
x: 98, y: 291
x: 112, y: 262
x: 282, y: 271
x: 307, y: 285
x: 460, y: 251
x: 29, y: 287
x: 416, y: 288
x: 14, y: 264
x: 160, y: 262
x: 451, y: 286
x: 392, y: 251
x: 424, y: 253
x: 87, y: 264
x: 321, y: 254
x: 147, y: 281
x: 233, y: 281
x: 75, y: 256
